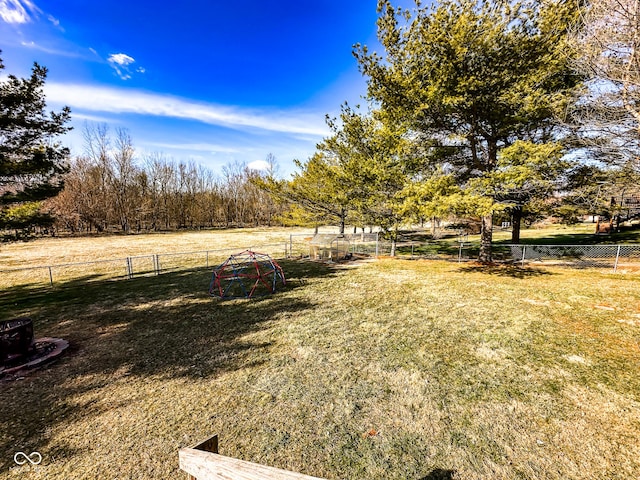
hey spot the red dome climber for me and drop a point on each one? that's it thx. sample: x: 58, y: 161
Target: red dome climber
x: 245, y: 275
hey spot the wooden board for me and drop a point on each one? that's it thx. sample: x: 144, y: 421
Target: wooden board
x: 203, y: 465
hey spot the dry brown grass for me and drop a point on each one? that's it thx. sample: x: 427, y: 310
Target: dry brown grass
x: 36, y: 263
x: 395, y: 369
x: 49, y: 251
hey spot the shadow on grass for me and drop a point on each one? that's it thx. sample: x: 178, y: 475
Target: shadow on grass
x: 163, y: 326
x: 505, y: 270
x: 624, y: 236
x: 14, y: 301
x: 17, y: 300
x: 439, y: 474
x: 433, y: 248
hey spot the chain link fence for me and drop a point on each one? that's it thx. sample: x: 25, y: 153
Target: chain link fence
x: 123, y: 268
x: 579, y: 256
x: 615, y: 257
x: 307, y: 245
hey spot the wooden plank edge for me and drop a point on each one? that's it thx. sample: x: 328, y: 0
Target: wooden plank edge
x: 212, y: 466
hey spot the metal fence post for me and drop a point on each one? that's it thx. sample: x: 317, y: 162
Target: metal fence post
x: 129, y: 268
x: 592, y: 255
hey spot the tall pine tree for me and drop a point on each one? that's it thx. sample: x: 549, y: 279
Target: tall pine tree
x: 32, y: 161
x: 472, y: 77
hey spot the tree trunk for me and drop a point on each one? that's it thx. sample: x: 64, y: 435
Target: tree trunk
x: 516, y: 221
x: 343, y: 216
x: 394, y: 239
x: 486, y: 235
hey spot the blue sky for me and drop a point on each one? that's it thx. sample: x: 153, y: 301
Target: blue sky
x: 210, y: 81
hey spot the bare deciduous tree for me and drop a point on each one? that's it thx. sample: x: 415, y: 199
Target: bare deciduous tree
x: 108, y: 188
x: 606, y: 117
x: 609, y: 41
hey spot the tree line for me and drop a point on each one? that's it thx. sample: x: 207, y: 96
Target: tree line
x: 109, y: 188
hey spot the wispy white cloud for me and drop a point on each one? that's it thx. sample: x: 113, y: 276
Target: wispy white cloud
x: 120, y: 63
x: 55, y: 22
x: 121, y: 59
x: 114, y: 100
x: 91, y: 118
x: 52, y: 51
x: 18, y: 11
x: 196, y: 147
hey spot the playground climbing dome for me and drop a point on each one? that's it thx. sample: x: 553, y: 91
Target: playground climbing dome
x: 246, y: 275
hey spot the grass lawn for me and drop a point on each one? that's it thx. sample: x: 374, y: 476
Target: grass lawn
x: 69, y: 256
x: 394, y: 369
x: 51, y: 251
x: 580, y: 234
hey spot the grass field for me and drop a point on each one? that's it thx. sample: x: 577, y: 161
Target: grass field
x: 390, y: 369
x: 51, y: 251
x: 95, y: 258
x: 581, y: 234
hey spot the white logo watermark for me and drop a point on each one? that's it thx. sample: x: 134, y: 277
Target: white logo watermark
x: 34, y: 458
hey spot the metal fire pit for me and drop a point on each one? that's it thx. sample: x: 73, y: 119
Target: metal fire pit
x: 16, y: 340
